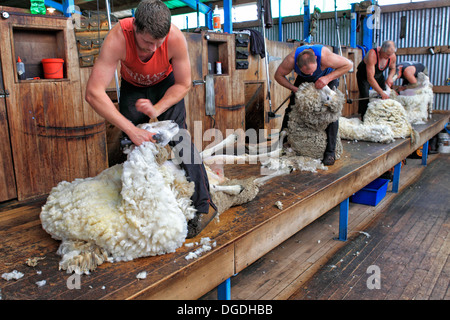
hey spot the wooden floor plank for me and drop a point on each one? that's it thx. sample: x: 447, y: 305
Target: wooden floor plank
x: 412, y: 249
x: 301, y: 256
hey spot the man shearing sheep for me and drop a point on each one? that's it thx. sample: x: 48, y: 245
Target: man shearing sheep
x: 317, y: 64
x: 156, y: 76
x: 408, y: 71
x: 370, y: 73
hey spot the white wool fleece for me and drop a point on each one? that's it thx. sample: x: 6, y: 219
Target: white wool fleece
x: 129, y: 210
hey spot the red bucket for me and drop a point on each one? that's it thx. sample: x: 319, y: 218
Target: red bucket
x: 53, y: 68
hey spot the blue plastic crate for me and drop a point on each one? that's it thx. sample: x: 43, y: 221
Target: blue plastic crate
x: 371, y: 194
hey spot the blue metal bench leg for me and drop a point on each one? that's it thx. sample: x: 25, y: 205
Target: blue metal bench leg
x: 224, y: 290
x: 425, y: 153
x: 343, y: 220
x: 396, y: 179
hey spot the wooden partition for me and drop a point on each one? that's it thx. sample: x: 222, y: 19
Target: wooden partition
x: 240, y: 94
x: 354, y: 55
x: 55, y: 135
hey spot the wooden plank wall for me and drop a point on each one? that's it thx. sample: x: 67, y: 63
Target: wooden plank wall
x: 354, y: 55
x: 7, y: 179
x: 54, y: 134
x: 233, y: 89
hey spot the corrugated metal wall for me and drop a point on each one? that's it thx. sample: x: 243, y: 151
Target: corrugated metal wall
x: 326, y: 31
x: 424, y: 27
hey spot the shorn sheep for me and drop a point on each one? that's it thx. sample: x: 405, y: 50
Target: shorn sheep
x: 313, y: 111
x: 136, y: 209
x: 386, y: 120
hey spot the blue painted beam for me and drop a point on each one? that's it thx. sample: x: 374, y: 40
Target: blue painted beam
x: 306, y: 21
x: 368, y: 27
x: 280, y: 27
x: 424, y: 153
x: 396, y: 178
x: 353, y: 24
x: 67, y: 7
x: 228, y: 19
x: 54, y: 4
x: 224, y: 290
x: 343, y: 220
x: 203, y: 8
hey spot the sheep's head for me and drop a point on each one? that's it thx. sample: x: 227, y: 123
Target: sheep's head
x: 164, y: 130
x: 316, y: 108
x: 326, y: 96
x: 423, y: 80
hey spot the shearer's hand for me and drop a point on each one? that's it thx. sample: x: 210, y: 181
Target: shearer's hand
x: 320, y: 83
x: 389, y: 82
x: 146, y: 106
x: 138, y: 136
x: 384, y: 96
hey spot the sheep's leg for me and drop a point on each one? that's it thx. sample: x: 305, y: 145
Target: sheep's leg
x: 260, y: 181
x: 251, y: 158
x: 224, y: 159
x: 231, y: 190
x: 228, y: 141
x: 230, y: 159
x: 80, y: 256
x: 274, y: 144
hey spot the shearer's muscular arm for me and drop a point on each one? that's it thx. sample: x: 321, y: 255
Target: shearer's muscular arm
x: 284, y: 69
x: 178, y: 54
x: 113, y: 50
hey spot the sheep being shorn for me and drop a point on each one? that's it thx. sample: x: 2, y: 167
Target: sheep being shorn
x: 418, y: 100
x: 313, y: 111
x: 384, y: 121
x: 136, y: 209
x: 130, y: 210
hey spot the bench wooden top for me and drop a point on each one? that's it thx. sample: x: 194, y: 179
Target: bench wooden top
x: 243, y: 234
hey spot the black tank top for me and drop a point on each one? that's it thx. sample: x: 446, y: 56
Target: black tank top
x: 419, y: 67
x: 378, y: 71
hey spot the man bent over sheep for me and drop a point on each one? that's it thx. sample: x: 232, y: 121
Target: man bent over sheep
x: 156, y: 76
x: 409, y: 71
x: 370, y: 73
x: 317, y: 64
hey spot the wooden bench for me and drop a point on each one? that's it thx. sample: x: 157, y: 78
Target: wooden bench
x: 243, y: 234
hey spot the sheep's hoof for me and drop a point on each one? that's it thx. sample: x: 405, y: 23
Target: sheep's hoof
x: 328, y: 160
x: 199, y: 222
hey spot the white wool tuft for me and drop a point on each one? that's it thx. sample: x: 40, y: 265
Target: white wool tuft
x: 206, y: 245
x: 16, y: 275
x: 294, y: 162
